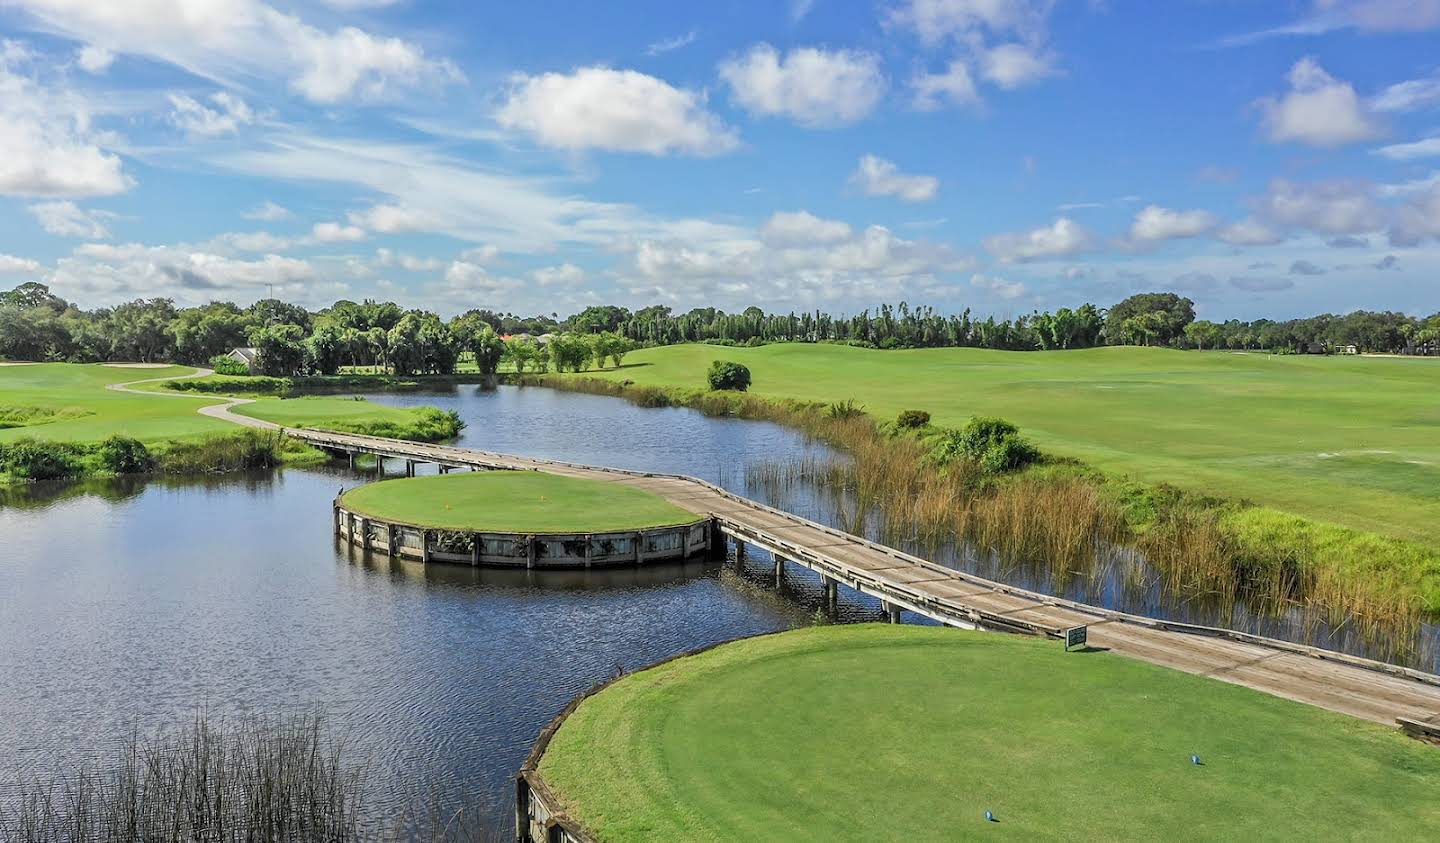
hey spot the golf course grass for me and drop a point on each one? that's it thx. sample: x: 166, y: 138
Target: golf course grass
x: 1353, y: 441
x: 514, y: 502
x: 904, y: 732
x: 68, y: 402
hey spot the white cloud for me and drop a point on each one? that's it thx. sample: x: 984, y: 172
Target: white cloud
x: 255, y: 241
x: 198, y: 120
x: 66, y: 219
x: 393, y: 219
x: 815, y: 87
x: 1409, y: 95
x: 106, y: 274
x: 564, y: 275
x: 9, y: 264
x: 1155, y: 223
x: 1427, y: 148
x: 93, y: 59
x: 878, y: 177
x: 800, y: 228
x: 1334, y: 207
x: 799, y: 9
x: 480, y: 254
x: 222, y: 39
x: 1249, y: 232
x: 936, y: 20
x: 48, y: 144
x: 350, y: 5
x: 334, y: 232
x: 269, y: 212
x: 410, y: 263
x: 1015, y: 65
x: 999, y: 286
x: 463, y: 278
x: 954, y: 86
x: 1318, y: 110
x: 1418, y: 219
x: 666, y: 45
x: 616, y: 110
x: 1063, y: 237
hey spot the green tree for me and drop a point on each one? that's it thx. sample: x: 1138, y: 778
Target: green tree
x: 282, y: 349
x: 479, y: 338
x: 725, y: 374
x: 1163, y: 317
x: 327, y: 348
x: 1203, y: 334
x: 570, y: 352
x: 522, y: 353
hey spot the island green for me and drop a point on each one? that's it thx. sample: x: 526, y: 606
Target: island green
x: 514, y: 502
x: 876, y: 732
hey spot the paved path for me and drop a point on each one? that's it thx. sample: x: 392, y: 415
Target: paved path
x: 1359, y: 687
x: 219, y: 410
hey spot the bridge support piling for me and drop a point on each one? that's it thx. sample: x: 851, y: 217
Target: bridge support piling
x: 892, y: 612
x: 779, y: 571
x: 351, y: 455
x: 830, y: 594
x: 409, y: 468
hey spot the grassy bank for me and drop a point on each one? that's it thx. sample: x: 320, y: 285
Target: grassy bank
x: 1353, y: 441
x: 59, y: 420
x: 514, y: 502
x: 1060, y: 512
x: 876, y: 732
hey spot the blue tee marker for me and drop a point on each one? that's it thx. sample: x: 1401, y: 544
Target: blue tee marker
x: 1195, y: 759
x: 989, y: 817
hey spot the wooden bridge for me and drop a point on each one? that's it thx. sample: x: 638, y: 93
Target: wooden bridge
x: 1348, y: 684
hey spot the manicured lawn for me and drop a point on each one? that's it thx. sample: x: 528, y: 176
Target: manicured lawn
x: 912, y: 733
x: 1350, y: 440
x: 96, y: 412
x: 514, y: 502
x: 85, y: 411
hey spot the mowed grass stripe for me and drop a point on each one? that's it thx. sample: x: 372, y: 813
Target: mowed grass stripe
x: 514, y: 502
x: 890, y: 733
x: 1349, y: 440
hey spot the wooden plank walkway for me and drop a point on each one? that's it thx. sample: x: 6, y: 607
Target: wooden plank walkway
x: 1348, y: 684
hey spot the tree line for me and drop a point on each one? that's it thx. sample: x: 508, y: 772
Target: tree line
x: 36, y: 324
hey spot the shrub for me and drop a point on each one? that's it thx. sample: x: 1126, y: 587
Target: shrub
x: 846, y: 409
x: 228, y: 366
x: 993, y: 444
x: 124, y: 455
x: 912, y: 419
x: 727, y: 375
x: 256, y: 384
x: 237, y: 451
x: 31, y: 459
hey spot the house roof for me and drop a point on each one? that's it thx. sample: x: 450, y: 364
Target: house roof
x: 249, y: 355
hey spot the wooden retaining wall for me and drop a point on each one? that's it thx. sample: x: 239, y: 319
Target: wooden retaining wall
x: 522, y: 550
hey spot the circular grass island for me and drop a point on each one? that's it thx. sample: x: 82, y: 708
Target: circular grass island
x: 886, y: 733
x: 518, y: 518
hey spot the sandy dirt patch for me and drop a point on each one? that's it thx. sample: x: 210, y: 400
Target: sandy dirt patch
x: 137, y: 365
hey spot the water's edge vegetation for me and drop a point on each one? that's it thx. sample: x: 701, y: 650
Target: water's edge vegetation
x: 1060, y: 512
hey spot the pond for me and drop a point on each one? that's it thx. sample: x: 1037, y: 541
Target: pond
x: 128, y: 604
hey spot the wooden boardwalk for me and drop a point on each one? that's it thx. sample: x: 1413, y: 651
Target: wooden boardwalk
x: 1351, y: 685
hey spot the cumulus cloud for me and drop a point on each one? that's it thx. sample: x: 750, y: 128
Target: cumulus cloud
x: 1304, y: 267
x: 1155, y: 223
x: 1329, y: 207
x: 48, y: 143
x: 1318, y: 110
x: 563, y: 275
x: 268, y: 211
x: 1062, y: 237
x: 10, y: 264
x: 198, y: 120
x: 1194, y: 282
x: 616, y: 110
x: 334, y: 232
x: 220, y: 39
x: 1014, y: 65
x: 393, y: 219
x: 93, y: 59
x: 388, y: 258
x: 1249, y: 232
x: 66, y: 219
x: 801, y: 228
x: 815, y: 87
x: 1417, y: 219
x: 953, y: 86
x: 878, y: 177
x: 999, y: 286
x: 105, y: 274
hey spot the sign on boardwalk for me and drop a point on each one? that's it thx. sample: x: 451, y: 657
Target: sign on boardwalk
x: 1075, y: 637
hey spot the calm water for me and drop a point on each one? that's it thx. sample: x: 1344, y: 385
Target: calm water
x: 126, y: 605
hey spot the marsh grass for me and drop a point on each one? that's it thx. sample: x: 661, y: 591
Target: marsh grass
x: 215, y: 780
x: 1067, y: 519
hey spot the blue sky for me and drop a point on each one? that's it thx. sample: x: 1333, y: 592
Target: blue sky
x: 1264, y: 158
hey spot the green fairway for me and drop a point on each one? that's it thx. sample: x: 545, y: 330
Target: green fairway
x: 912, y: 733
x: 514, y: 502
x: 1350, y: 440
x: 78, y: 391
x: 69, y: 402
